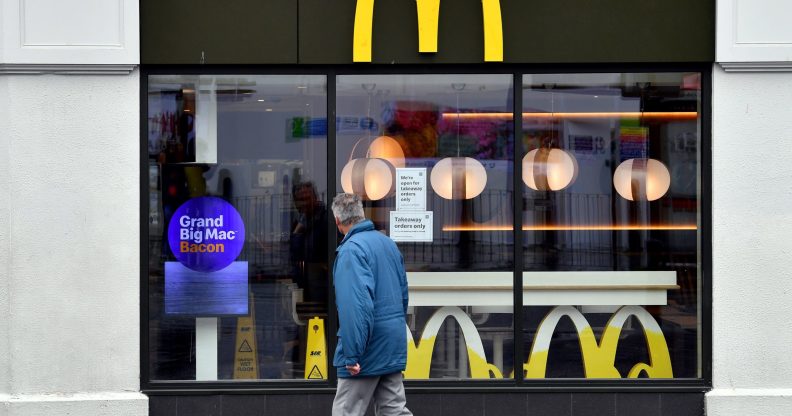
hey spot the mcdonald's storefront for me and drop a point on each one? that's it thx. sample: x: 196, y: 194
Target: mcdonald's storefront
x: 542, y: 166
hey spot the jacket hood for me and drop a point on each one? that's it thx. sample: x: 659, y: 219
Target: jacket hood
x: 365, y: 225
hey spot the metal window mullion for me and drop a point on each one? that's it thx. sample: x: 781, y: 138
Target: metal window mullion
x: 332, y: 241
x: 517, y: 226
x: 145, y: 370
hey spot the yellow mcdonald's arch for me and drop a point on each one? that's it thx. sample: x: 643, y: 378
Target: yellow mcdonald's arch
x: 598, y: 357
x: 428, y: 20
x: 419, y: 358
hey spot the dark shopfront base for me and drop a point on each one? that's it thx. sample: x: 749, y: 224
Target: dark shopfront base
x: 445, y: 404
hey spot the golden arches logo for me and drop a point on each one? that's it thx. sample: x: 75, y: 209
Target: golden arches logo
x: 419, y: 358
x: 428, y: 19
x: 599, y: 357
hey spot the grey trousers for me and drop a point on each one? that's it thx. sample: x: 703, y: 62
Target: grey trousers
x: 354, y: 394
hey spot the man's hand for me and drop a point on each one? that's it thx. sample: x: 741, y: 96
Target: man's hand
x: 353, y: 369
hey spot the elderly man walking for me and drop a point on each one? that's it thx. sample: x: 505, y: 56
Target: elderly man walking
x: 371, y: 295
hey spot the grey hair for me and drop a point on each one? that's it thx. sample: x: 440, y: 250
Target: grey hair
x: 348, y: 209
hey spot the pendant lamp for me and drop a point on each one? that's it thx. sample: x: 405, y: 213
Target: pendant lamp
x: 371, y: 177
x: 384, y: 147
x: 549, y: 169
x: 458, y: 177
x: 641, y: 179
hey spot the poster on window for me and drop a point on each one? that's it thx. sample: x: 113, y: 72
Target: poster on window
x: 412, y: 227
x: 411, y: 189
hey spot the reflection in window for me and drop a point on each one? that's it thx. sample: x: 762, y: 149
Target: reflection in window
x: 260, y: 144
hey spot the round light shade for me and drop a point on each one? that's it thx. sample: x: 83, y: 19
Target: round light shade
x: 546, y: 169
x: 370, y: 178
x: 458, y: 178
x: 641, y: 179
x: 387, y: 148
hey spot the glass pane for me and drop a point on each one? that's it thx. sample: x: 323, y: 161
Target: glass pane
x: 446, y: 143
x: 237, y: 226
x: 612, y: 266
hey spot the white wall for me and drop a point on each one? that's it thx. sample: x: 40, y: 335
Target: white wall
x: 69, y: 208
x: 752, y: 216
x: 4, y: 247
x: 71, y: 192
x: 752, y: 244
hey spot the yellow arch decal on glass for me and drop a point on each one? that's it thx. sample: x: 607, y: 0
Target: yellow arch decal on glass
x: 419, y: 358
x: 428, y: 20
x: 599, y: 358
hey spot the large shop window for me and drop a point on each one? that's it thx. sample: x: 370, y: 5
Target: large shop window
x: 607, y: 260
x: 452, y: 171
x: 611, y: 225
x: 238, y: 234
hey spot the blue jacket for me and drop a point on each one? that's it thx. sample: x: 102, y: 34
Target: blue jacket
x: 371, y: 296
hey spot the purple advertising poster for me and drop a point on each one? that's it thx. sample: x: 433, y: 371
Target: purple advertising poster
x: 220, y: 293
x: 206, y: 234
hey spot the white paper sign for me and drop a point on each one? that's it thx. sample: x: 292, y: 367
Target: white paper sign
x: 411, y: 226
x: 411, y: 189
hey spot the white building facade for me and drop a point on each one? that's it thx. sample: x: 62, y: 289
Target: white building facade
x: 70, y: 120
x: 751, y: 97
x: 69, y: 95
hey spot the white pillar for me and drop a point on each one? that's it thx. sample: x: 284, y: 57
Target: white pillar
x: 69, y: 208
x: 5, y: 249
x: 751, y: 215
x: 752, y: 244
x: 72, y: 258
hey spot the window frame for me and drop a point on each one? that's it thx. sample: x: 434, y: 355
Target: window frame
x: 516, y: 384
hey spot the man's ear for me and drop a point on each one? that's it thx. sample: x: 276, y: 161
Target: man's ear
x: 338, y: 223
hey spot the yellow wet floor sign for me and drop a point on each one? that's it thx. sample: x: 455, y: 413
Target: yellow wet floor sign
x: 245, y: 360
x: 316, y: 351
